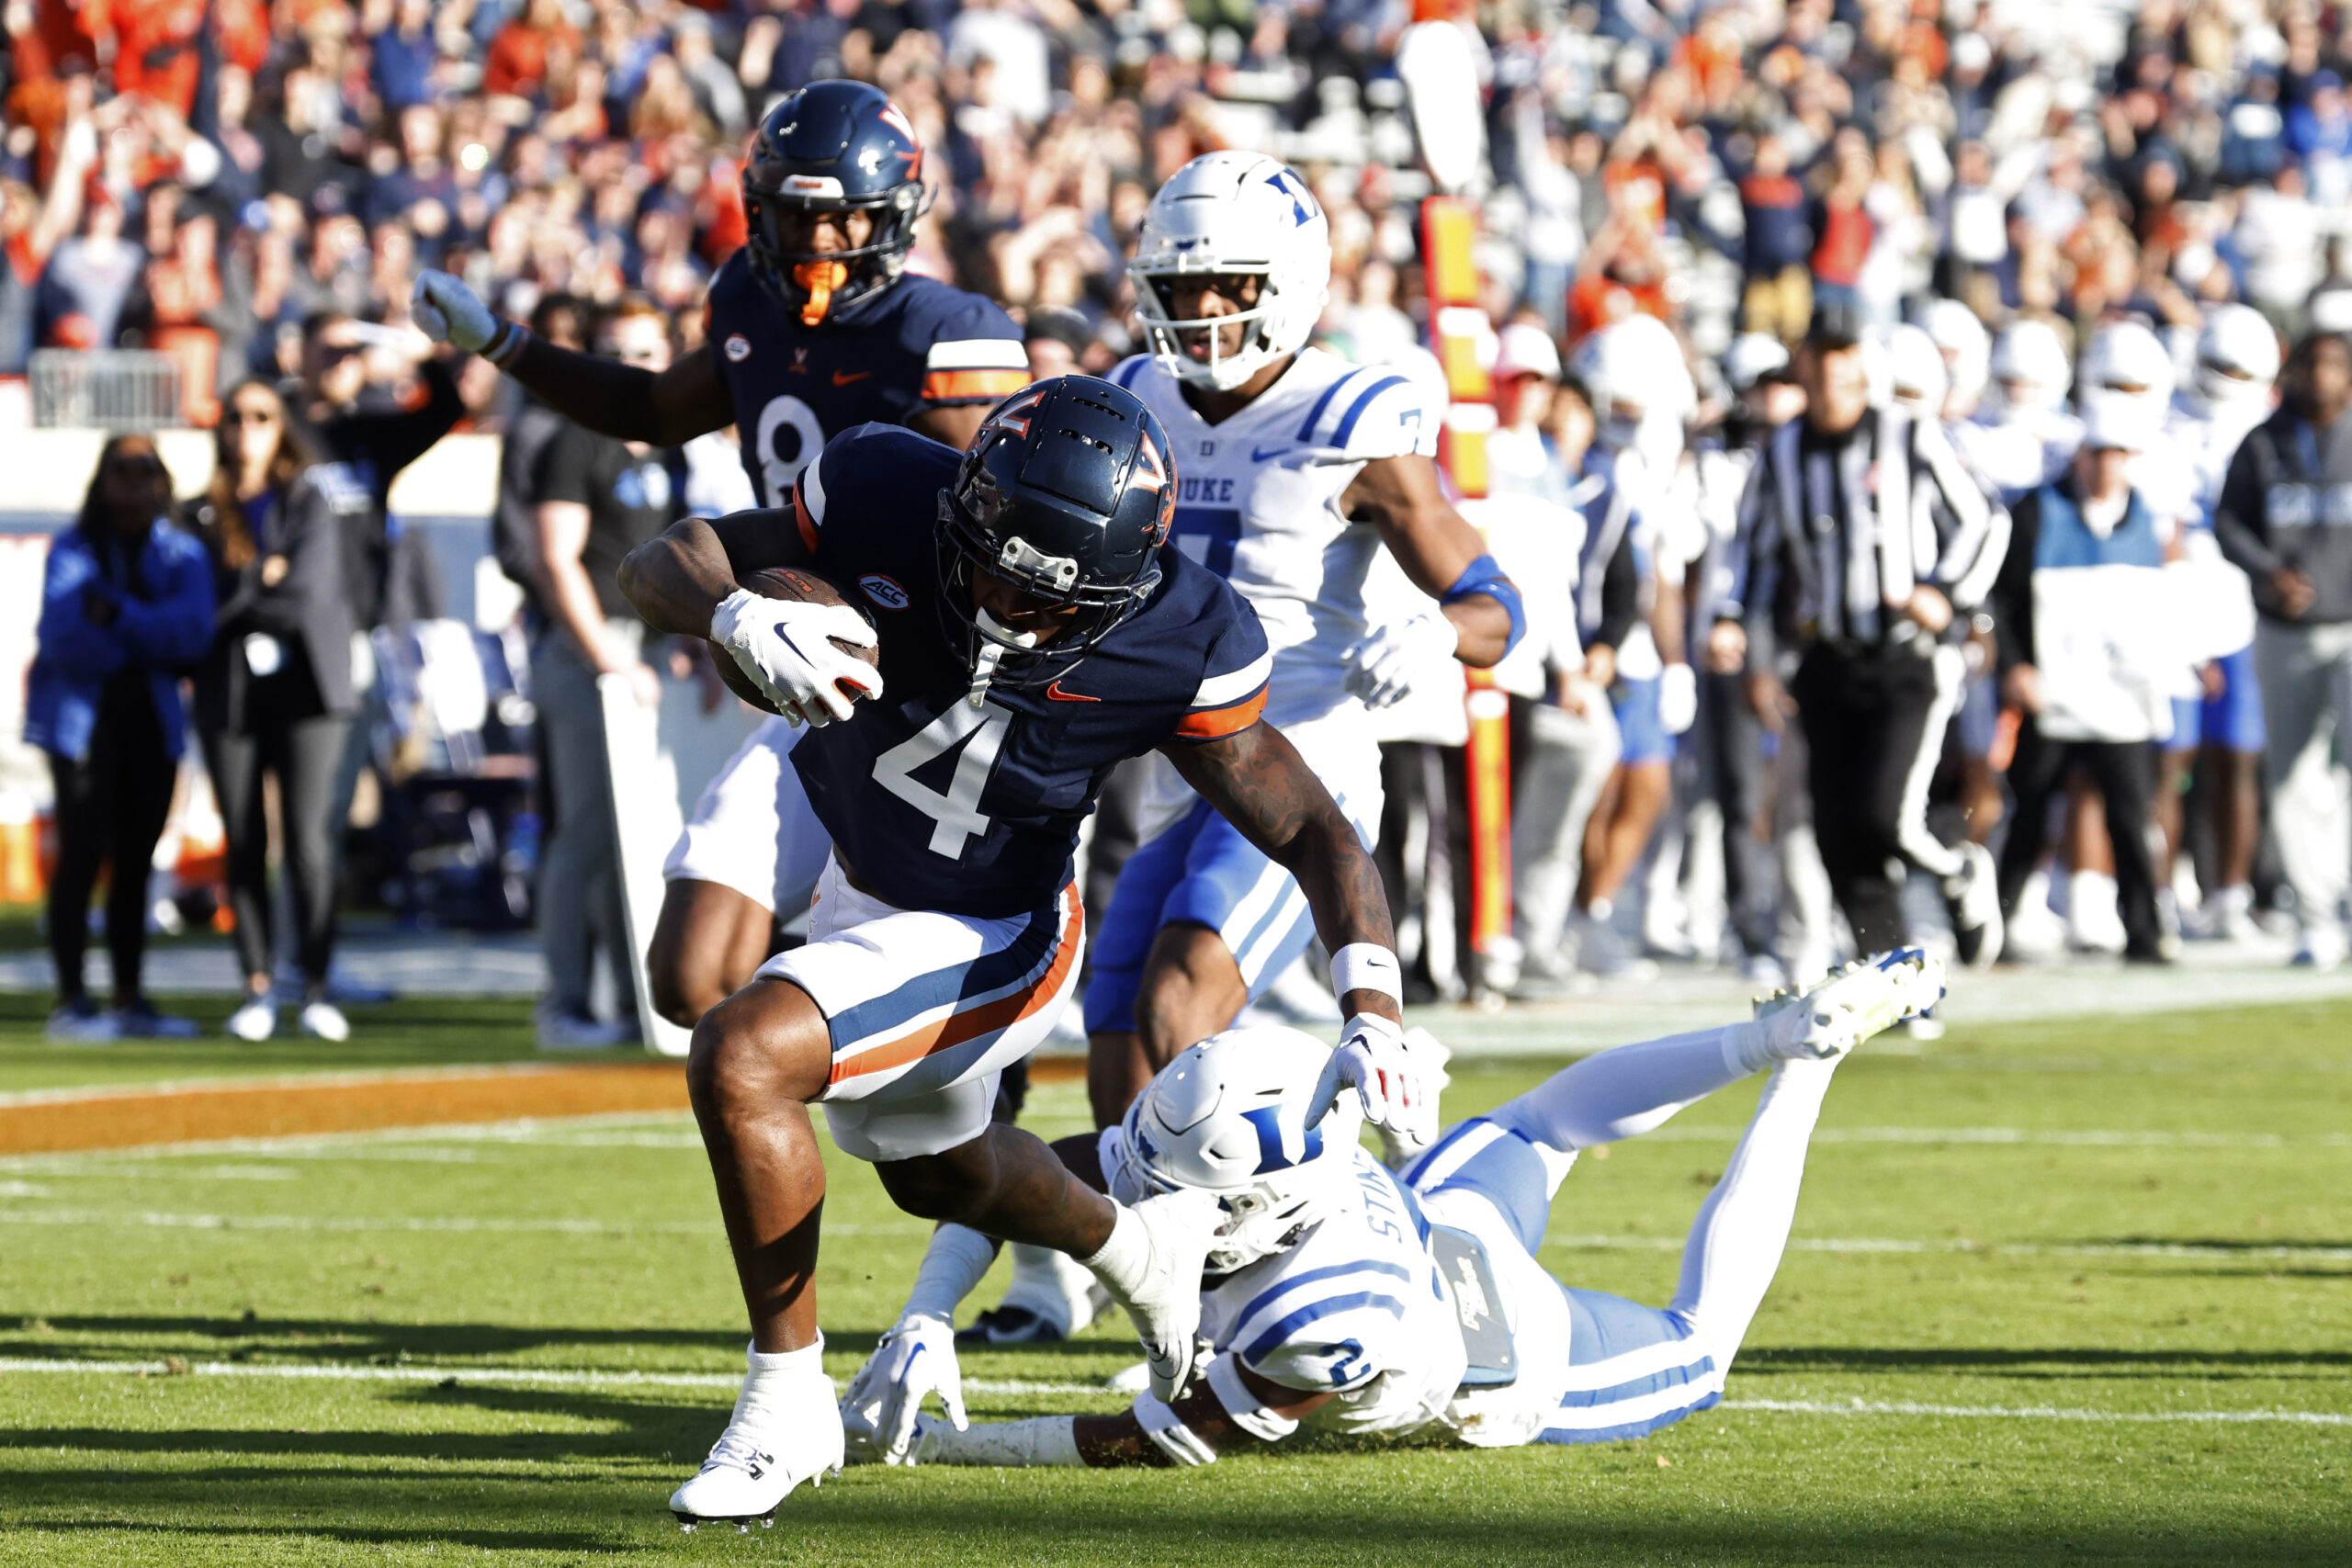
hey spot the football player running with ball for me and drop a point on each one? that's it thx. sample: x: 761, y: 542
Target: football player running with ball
x: 1031, y: 633
x: 1366, y: 1302
x: 813, y: 327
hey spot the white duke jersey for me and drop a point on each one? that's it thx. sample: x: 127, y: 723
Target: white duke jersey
x: 1257, y: 504
x: 1356, y: 1308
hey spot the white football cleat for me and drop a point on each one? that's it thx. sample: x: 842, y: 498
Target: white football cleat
x: 786, y: 1430
x: 1865, y: 998
x: 1155, y: 1273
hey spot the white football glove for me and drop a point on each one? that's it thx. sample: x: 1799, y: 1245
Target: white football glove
x: 1678, y: 698
x: 785, y: 646
x: 445, y: 310
x: 1396, y: 1073
x: 915, y: 1359
x: 1380, y: 667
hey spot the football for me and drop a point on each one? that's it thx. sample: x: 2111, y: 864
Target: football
x: 787, y: 582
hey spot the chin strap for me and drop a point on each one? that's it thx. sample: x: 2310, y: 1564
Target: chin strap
x: 992, y: 654
x: 820, y: 279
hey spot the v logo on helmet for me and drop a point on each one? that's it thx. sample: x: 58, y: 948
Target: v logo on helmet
x: 1004, y: 418
x: 1271, y: 1156
x: 1151, y: 469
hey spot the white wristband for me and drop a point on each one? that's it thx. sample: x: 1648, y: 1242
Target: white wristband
x: 952, y: 1267
x: 1167, y: 1429
x: 1367, y: 966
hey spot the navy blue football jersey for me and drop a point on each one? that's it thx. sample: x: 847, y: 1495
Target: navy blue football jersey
x: 939, y: 805
x: 917, y: 345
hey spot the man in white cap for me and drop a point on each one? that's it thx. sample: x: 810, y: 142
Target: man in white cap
x: 2073, y: 609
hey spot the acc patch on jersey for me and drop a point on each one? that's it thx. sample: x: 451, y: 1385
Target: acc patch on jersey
x: 739, y: 347
x: 883, y: 591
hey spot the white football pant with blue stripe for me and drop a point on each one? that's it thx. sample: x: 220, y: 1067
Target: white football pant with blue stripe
x: 1594, y: 1367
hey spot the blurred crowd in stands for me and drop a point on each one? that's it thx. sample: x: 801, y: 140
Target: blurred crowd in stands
x: 251, y: 187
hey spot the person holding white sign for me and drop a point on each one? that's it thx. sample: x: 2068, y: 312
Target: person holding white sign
x: 2073, y: 607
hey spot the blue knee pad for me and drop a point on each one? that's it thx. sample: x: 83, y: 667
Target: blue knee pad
x: 1201, y: 871
x: 1489, y: 1158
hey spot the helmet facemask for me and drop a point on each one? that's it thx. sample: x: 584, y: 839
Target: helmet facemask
x: 1270, y: 1216
x: 820, y: 285
x: 998, y: 656
x: 1166, y: 331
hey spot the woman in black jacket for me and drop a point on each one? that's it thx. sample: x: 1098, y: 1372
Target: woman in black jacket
x: 274, y: 693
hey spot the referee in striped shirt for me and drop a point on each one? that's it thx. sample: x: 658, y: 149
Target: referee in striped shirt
x: 1864, y: 547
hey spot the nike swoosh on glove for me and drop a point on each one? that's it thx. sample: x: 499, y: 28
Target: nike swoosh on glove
x: 1382, y: 666
x: 447, y: 311
x: 786, y: 647
x: 1398, y: 1075
x: 915, y: 1359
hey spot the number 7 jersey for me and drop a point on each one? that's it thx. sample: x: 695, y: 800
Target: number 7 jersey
x: 1257, y: 498
x: 936, y: 804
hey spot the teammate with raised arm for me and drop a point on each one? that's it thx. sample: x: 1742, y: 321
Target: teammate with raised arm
x: 813, y: 327
x: 1342, y: 1294
x: 1033, y: 632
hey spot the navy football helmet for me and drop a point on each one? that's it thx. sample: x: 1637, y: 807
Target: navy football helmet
x: 832, y: 147
x: 1067, y: 492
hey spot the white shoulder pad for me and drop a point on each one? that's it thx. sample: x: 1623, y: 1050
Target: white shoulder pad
x: 1383, y: 411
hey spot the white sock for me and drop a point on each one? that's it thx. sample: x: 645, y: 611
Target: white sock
x: 1126, y: 1257
x: 1623, y: 1093
x: 773, y: 1381
x: 1743, y: 1228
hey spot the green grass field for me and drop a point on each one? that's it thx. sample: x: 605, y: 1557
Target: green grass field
x: 2076, y: 1293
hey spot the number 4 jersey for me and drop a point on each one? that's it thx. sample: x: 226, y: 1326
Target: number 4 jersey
x: 938, y: 805
x: 917, y: 344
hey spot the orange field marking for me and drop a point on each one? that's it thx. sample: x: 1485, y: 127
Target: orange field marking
x: 61, y: 1121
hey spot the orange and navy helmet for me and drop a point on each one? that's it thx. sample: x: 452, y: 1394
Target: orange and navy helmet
x: 831, y: 147
x: 1066, y: 491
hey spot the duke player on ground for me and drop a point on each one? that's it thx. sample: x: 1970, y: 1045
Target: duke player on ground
x: 814, y: 327
x: 1297, y: 467
x: 1368, y: 1302
x: 1033, y: 634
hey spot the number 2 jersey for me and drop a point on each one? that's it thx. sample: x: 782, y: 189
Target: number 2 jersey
x: 917, y: 344
x: 935, y: 804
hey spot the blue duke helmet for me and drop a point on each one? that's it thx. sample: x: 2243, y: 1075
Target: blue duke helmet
x: 1228, y: 1117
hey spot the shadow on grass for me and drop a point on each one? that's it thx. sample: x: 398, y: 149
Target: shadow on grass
x: 1477, y: 1508
x: 353, y: 1535
x: 265, y: 1339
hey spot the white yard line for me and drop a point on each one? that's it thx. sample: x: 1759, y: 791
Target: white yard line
x: 558, y: 1377
x: 158, y: 1220
x: 2028, y: 1412
x: 2284, y: 1252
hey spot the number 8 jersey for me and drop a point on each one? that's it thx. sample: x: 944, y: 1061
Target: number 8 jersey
x: 916, y: 344
x: 936, y: 804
